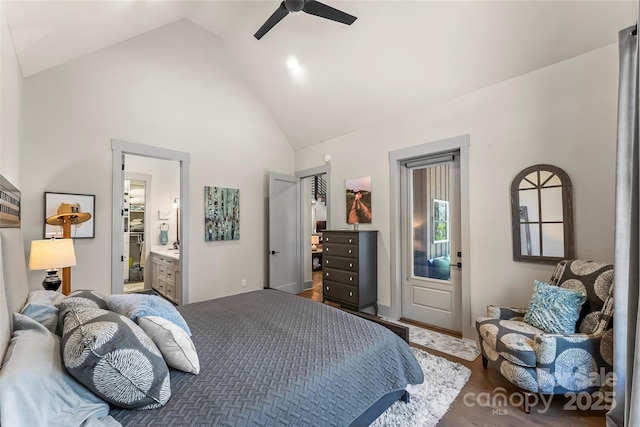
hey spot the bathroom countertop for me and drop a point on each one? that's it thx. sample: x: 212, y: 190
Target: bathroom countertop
x: 167, y: 251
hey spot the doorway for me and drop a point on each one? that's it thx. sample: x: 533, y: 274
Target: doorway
x: 315, y: 222
x: 158, y: 209
x: 137, y: 188
x: 430, y: 192
x: 290, y: 230
x: 397, y: 172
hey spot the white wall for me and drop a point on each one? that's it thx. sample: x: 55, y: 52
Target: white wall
x: 564, y: 115
x: 10, y: 105
x: 177, y: 88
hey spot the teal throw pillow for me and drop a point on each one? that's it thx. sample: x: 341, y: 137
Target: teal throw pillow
x: 554, y: 309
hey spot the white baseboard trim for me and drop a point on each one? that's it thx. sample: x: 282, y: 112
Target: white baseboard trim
x: 384, y: 310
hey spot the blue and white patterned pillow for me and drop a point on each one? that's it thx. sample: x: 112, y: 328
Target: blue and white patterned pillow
x: 114, y: 358
x: 135, y: 306
x: 553, y: 309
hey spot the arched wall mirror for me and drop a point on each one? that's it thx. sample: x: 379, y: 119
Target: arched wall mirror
x: 542, y: 215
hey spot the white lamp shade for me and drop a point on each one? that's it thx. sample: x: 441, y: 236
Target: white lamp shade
x: 51, y: 253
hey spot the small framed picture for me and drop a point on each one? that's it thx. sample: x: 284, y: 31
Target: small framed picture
x: 78, y: 209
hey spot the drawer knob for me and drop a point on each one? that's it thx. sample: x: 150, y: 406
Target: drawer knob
x: 350, y: 294
x: 349, y: 240
x: 349, y: 250
x: 326, y: 238
x: 327, y: 274
x: 326, y: 262
x: 350, y: 265
x: 326, y: 250
x: 350, y: 279
x: 327, y: 288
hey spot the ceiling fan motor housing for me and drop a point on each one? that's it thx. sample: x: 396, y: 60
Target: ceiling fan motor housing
x: 294, y: 5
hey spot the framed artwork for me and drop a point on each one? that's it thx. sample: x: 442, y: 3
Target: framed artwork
x: 9, y: 204
x: 440, y: 221
x: 358, y: 199
x: 221, y: 213
x: 81, y: 207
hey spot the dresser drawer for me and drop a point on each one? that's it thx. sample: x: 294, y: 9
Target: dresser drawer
x: 344, y: 293
x: 337, y: 249
x: 348, y: 238
x: 348, y: 264
x: 169, y: 291
x: 346, y: 277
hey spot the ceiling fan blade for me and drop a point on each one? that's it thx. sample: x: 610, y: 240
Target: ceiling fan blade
x: 276, y: 17
x: 322, y: 10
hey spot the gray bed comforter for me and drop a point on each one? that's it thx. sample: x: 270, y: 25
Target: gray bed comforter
x: 269, y: 358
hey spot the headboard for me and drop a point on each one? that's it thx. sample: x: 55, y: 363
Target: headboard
x: 14, y: 287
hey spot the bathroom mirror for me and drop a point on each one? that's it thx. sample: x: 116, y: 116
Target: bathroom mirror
x: 542, y: 215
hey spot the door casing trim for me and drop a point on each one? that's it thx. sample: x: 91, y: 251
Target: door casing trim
x: 119, y: 148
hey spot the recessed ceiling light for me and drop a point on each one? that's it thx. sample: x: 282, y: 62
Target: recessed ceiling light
x: 292, y: 63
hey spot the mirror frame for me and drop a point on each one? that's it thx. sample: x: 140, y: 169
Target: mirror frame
x: 567, y: 215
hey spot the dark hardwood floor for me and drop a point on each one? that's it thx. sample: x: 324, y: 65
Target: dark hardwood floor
x: 481, y: 401
x: 315, y: 293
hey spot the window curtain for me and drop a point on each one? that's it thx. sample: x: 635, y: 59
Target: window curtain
x: 626, y: 411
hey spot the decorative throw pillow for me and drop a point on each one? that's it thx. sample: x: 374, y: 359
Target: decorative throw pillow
x: 35, y: 388
x: 80, y: 298
x: 135, y: 306
x: 45, y: 297
x: 41, y: 306
x: 45, y: 314
x: 553, y: 309
x: 173, y: 342
x: 84, y: 298
x: 114, y: 358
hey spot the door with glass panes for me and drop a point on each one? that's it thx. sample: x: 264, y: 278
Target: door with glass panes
x: 431, y: 290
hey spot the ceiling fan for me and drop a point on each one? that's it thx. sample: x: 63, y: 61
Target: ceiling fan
x: 312, y: 7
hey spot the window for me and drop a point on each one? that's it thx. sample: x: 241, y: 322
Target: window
x: 440, y: 221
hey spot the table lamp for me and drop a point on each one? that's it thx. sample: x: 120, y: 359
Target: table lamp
x: 50, y: 255
x: 68, y: 214
x: 314, y: 242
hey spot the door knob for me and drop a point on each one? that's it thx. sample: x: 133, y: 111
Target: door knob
x: 274, y: 252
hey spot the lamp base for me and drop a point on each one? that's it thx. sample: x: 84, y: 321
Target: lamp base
x: 52, y: 281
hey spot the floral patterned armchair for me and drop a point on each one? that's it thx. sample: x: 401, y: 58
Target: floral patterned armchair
x: 540, y: 362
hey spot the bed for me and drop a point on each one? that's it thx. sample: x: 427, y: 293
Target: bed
x: 267, y: 358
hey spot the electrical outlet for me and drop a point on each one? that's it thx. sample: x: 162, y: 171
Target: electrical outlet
x: 244, y: 282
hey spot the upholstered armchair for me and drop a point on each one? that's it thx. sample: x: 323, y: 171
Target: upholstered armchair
x: 555, y: 363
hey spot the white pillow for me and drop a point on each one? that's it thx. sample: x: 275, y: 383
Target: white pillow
x: 45, y: 297
x: 173, y: 342
x: 41, y: 307
x: 35, y: 388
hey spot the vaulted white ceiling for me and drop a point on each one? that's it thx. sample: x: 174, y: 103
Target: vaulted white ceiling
x: 398, y: 57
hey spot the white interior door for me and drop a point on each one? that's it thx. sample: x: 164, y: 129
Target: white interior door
x: 285, y: 267
x: 432, y: 280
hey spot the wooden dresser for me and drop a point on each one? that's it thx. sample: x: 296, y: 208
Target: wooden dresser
x: 350, y: 269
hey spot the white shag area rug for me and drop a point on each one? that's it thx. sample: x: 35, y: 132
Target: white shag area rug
x: 443, y: 381
x: 457, y: 347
